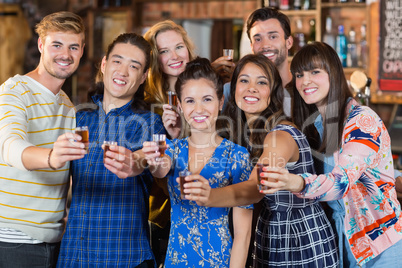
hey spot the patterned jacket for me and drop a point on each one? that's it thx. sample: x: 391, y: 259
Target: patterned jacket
x: 364, y: 178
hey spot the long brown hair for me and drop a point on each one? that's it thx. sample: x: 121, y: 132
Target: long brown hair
x: 268, y: 118
x: 157, y: 84
x: 319, y: 55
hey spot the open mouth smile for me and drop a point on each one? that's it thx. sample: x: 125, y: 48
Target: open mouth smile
x: 176, y: 65
x: 251, y: 99
x: 200, y: 119
x: 119, y: 82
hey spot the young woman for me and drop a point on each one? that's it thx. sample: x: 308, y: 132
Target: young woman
x: 291, y: 232
x: 199, y: 236
x: 354, y: 147
x: 171, y: 50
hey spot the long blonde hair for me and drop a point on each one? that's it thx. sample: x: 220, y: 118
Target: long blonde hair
x: 157, y: 84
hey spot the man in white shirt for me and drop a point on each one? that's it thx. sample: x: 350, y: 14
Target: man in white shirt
x: 36, y: 145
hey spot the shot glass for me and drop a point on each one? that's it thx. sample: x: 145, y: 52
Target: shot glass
x: 84, y: 133
x: 172, y: 99
x: 160, y: 139
x: 182, y: 175
x: 106, y: 147
x: 228, y: 52
x: 259, y: 170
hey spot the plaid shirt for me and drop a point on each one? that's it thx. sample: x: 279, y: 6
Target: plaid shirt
x: 108, y: 218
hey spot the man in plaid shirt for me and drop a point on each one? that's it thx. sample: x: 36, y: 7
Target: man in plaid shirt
x: 108, y: 220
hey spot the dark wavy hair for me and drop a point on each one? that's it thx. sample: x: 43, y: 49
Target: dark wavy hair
x: 134, y: 39
x: 268, y: 118
x: 319, y: 55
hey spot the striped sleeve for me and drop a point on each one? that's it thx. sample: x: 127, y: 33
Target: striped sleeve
x: 13, y: 123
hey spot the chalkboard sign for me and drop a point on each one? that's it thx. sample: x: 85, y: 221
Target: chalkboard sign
x: 390, y: 65
x: 395, y: 129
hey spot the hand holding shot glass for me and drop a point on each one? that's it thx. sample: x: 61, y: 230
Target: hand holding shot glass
x: 160, y: 140
x: 183, y: 174
x: 260, y: 166
x: 106, y: 148
x: 228, y: 52
x: 172, y: 99
x: 84, y: 133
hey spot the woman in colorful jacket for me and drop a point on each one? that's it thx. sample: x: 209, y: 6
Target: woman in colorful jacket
x: 355, y: 149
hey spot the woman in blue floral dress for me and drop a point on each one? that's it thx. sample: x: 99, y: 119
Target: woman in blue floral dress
x: 200, y: 236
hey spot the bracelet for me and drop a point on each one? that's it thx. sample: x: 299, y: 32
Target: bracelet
x: 48, y: 160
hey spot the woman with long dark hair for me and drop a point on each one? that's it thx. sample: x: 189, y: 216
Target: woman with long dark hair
x: 354, y: 149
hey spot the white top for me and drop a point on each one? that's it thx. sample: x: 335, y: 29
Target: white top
x: 32, y: 202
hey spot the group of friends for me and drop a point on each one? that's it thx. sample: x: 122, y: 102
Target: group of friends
x: 330, y: 199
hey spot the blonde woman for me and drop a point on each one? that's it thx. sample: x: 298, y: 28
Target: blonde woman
x: 172, y: 49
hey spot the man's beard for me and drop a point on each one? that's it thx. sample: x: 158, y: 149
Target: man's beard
x: 59, y: 74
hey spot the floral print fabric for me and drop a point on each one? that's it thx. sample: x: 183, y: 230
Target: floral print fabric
x: 364, y: 178
x: 200, y: 236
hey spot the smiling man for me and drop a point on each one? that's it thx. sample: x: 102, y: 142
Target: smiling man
x: 108, y: 218
x: 269, y: 32
x: 35, y: 115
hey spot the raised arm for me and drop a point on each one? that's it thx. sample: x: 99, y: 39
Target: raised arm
x: 64, y: 149
x: 365, y: 153
x: 159, y: 168
x: 171, y: 121
x: 20, y: 150
x: 224, y: 66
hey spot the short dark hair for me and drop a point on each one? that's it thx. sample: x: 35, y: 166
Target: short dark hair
x: 266, y: 13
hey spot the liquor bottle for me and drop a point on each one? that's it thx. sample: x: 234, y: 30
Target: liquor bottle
x: 311, y: 36
x: 273, y: 3
x: 351, y: 58
x: 299, y: 39
x: 306, y: 4
x: 341, y: 45
x: 284, y: 5
x: 363, y: 48
x: 329, y: 36
x: 297, y: 4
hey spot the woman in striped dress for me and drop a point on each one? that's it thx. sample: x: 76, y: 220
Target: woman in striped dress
x: 291, y: 232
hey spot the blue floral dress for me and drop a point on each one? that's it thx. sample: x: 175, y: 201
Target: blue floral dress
x: 199, y: 236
